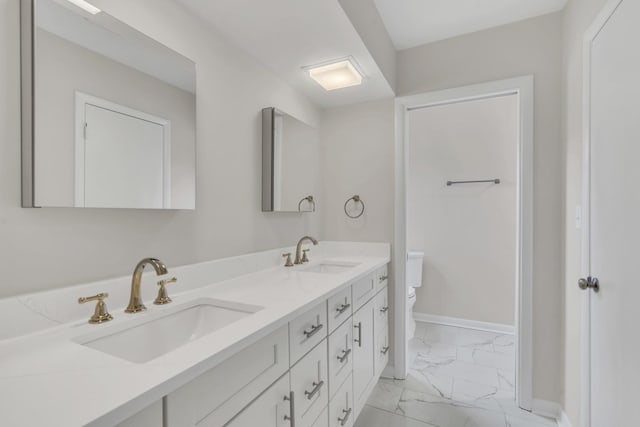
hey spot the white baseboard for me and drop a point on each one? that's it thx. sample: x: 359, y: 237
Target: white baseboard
x: 465, y: 323
x: 546, y: 409
x: 551, y: 410
x: 388, y: 372
x: 564, y: 420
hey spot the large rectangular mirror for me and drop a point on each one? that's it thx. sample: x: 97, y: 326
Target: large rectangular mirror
x: 290, y: 163
x: 108, y: 113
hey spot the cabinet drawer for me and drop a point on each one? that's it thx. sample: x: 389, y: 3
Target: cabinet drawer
x: 381, y: 304
x: 381, y: 277
x: 309, y: 385
x: 382, y: 351
x: 339, y: 309
x: 340, y: 356
x: 269, y: 410
x: 307, y: 331
x: 362, y: 291
x: 341, y: 411
x: 220, y: 393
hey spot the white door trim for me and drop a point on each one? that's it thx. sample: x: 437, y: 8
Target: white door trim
x: 523, y: 87
x: 82, y: 99
x: 585, y: 335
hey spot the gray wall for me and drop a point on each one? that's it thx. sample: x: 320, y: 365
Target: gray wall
x: 47, y: 248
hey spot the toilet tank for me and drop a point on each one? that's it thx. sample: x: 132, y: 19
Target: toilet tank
x: 414, y: 269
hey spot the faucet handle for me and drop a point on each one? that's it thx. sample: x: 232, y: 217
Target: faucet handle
x: 305, y: 258
x: 288, y: 263
x: 163, y: 297
x: 100, y: 315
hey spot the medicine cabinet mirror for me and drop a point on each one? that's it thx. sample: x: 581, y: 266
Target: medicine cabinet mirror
x: 108, y: 113
x: 290, y: 163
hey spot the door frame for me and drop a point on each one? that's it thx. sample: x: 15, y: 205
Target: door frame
x: 523, y: 87
x: 82, y: 100
x: 585, y: 257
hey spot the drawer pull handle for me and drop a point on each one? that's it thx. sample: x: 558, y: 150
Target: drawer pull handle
x: 347, y: 413
x: 314, y: 330
x: 316, y: 389
x: 385, y: 350
x: 384, y: 309
x: 343, y: 308
x: 291, y: 417
x: 383, y: 278
x: 345, y: 354
x: 359, y: 328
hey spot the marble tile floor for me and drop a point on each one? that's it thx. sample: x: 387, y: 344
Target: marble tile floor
x: 458, y: 377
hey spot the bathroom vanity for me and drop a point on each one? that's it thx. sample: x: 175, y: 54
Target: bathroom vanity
x: 245, y: 342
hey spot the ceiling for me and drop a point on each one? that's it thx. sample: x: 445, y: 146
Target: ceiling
x: 286, y: 35
x: 415, y: 22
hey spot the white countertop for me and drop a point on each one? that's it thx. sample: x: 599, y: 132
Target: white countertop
x: 47, y: 379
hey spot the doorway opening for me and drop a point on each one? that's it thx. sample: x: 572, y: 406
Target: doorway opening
x: 468, y: 212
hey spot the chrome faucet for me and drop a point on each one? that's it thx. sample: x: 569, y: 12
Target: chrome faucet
x: 135, y: 302
x: 299, y: 258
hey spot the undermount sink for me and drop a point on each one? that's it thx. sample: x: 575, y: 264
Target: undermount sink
x: 144, y: 342
x: 329, y: 268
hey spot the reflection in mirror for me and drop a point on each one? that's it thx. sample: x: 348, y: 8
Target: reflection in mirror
x: 290, y: 163
x: 113, y: 114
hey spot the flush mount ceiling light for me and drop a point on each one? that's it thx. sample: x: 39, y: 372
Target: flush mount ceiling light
x: 336, y: 74
x: 86, y: 6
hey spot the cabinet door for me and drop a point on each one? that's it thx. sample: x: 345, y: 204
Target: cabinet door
x: 363, y: 353
x: 271, y: 409
x: 309, y: 384
x: 340, y: 356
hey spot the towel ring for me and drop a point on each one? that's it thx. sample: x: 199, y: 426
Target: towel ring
x: 356, y: 199
x: 310, y: 200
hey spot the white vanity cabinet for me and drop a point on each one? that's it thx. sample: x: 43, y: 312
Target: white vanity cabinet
x: 316, y: 371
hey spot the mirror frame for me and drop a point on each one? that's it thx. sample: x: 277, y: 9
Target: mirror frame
x: 27, y: 50
x: 267, y: 158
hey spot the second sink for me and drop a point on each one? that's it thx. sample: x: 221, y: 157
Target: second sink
x: 329, y: 268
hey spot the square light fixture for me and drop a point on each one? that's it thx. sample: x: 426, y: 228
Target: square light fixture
x: 336, y: 75
x: 88, y: 7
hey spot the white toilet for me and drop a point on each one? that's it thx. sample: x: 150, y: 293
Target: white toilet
x: 414, y: 280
